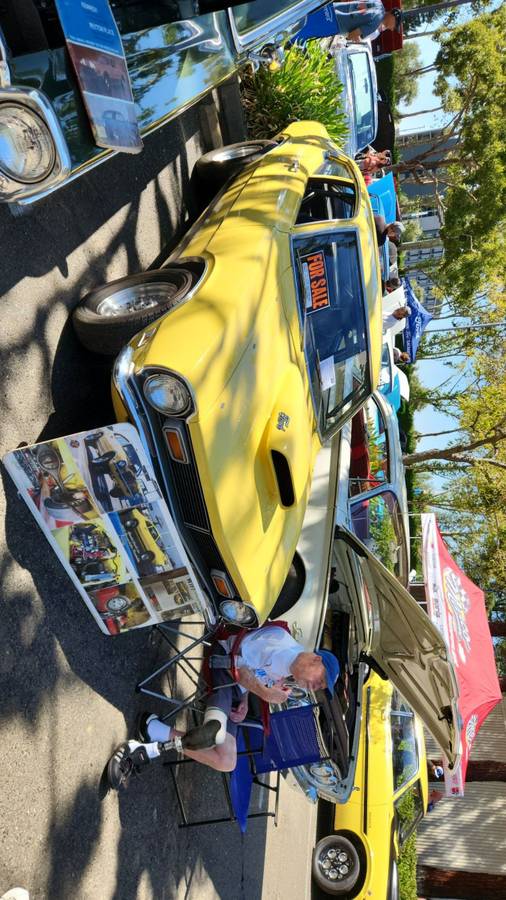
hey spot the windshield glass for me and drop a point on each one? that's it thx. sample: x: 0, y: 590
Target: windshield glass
x: 332, y: 309
x: 363, y: 97
x: 251, y: 15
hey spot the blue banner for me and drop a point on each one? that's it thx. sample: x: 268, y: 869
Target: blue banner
x: 319, y: 24
x: 417, y: 322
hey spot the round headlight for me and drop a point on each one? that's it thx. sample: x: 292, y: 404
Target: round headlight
x: 238, y: 613
x: 167, y: 394
x: 27, y: 151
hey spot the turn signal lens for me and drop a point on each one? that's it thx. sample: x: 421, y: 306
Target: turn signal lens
x: 221, y: 584
x: 176, y: 447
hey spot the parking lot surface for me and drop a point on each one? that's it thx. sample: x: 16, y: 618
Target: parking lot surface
x: 67, y: 690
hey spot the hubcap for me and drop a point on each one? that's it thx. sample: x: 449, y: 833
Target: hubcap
x: 136, y: 298
x: 238, y: 152
x: 335, y: 863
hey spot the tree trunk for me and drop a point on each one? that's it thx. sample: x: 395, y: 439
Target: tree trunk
x: 485, y: 770
x: 432, y: 882
x: 408, y: 14
x: 502, y: 682
x: 419, y: 112
x: 497, y: 629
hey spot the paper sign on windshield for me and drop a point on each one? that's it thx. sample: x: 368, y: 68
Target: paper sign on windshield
x: 95, y: 496
x: 96, y: 51
x: 315, y: 281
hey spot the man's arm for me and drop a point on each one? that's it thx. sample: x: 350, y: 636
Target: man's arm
x: 250, y: 682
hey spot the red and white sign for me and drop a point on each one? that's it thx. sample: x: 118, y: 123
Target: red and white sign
x: 457, y: 607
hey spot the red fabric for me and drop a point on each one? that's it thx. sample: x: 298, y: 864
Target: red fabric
x: 464, y: 623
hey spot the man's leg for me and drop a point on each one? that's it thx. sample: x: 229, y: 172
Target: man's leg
x: 222, y: 758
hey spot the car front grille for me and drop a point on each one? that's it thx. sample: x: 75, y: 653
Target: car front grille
x: 183, y: 492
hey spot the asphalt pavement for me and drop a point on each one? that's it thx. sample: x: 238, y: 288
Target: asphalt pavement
x: 67, y: 691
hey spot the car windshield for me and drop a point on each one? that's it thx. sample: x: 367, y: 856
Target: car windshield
x: 333, y: 313
x: 252, y: 15
x: 363, y: 97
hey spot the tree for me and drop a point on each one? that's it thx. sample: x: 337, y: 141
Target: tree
x: 407, y: 68
x: 466, y: 163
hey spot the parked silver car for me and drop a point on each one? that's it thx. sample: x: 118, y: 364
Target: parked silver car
x: 357, y: 72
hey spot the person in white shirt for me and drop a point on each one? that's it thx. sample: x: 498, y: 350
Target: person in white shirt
x: 268, y: 663
x: 391, y: 319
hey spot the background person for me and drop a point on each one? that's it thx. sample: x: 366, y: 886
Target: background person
x: 360, y: 19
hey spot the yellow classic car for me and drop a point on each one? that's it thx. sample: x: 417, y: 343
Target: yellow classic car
x: 259, y: 338
x: 359, y: 859
x: 144, y: 541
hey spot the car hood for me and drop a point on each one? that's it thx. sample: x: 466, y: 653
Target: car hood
x: 409, y: 649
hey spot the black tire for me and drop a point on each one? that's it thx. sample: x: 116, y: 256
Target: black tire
x: 291, y: 590
x: 105, y: 458
x: 214, y: 169
x: 147, y: 556
x: 112, y: 608
x: 342, y: 886
x: 108, y: 334
x: 22, y: 27
x: 130, y: 524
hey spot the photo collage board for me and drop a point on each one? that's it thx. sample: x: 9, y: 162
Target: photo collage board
x: 97, y: 501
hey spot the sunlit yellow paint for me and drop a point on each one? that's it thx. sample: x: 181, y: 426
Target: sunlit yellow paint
x: 237, y: 342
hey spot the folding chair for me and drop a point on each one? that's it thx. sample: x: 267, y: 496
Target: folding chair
x: 292, y: 741
x: 285, y: 739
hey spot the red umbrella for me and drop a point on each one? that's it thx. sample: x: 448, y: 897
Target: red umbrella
x: 457, y: 608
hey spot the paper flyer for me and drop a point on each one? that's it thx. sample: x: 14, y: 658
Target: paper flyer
x: 95, y: 48
x: 97, y: 501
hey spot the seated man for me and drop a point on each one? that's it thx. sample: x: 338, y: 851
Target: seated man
x: 267, y: 657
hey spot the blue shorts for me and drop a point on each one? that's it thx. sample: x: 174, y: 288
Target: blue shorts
x: 226, y: 696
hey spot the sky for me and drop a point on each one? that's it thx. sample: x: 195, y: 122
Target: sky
x: 431, y: 372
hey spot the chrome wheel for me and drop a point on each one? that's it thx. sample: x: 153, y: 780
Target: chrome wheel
x: 335, y: 864
x: 128, y: 300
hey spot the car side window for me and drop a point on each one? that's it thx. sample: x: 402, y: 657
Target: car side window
x: 377, y: 522
x: 325, y: 200
x: 408, y: 811
x: 404, y: 747
x: 370, y: 464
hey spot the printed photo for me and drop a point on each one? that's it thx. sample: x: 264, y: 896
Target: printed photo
x: 169, y: 596
x: 112, y: 467
x: 114, y: 122
x: 91, y: 554
x: 120, y: 607
x: 100, y: 72
x: 54, y: 484
x: 140, y: 532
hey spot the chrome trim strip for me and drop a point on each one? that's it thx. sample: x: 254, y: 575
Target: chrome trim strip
x: 34, y: 100
x: 5, y: 72
x: 284, y: 22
